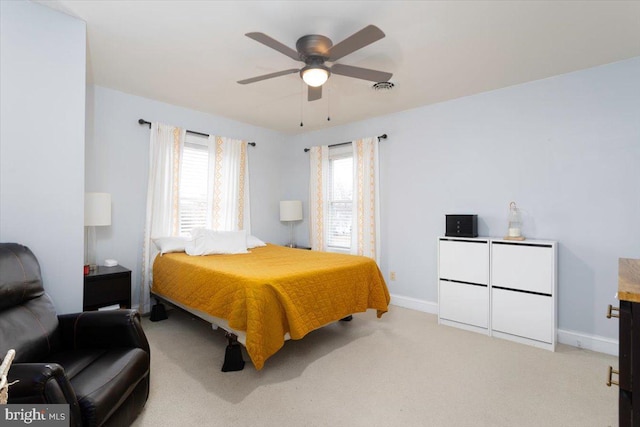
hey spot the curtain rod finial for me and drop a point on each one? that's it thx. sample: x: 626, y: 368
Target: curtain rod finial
x: 144, y: 122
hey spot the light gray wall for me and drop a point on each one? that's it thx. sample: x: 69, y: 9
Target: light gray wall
x: 566, y: 149
x: 42, y: 95
x: 117, y: 162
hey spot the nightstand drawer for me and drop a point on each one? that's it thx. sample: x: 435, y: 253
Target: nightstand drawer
x: 107, y: 286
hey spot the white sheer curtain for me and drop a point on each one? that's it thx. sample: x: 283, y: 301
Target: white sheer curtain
x: 162, y: 219
x: 365, y: 230
x: 318, y: 187
x: 229, y: 177
x: 228, y: 192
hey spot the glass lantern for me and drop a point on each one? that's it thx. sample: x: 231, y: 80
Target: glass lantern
x: 515, y: 223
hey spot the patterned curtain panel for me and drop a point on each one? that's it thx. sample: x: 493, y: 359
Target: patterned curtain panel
x: 318, y: 187
x: 229, y: 169
x: 165, y: 150
x: 365, y: 230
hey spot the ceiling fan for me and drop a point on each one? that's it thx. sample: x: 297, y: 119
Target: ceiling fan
x: 314, y: 50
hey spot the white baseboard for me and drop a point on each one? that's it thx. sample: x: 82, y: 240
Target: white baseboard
x: 588, y: 342
x: 415, y: 304
x: 568, y: 337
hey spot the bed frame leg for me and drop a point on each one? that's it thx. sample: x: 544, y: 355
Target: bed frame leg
x: 158, y: 312
x: 349, y: 318
x: 232, y: 355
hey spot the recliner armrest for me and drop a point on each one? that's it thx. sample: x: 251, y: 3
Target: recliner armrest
x: 103, y: 329
x: 43, y: 383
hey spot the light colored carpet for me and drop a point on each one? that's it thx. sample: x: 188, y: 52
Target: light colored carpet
x: 403, y: 369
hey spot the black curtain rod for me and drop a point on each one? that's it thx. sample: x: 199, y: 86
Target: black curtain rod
x: 383, y: 136
x: 144, y: 122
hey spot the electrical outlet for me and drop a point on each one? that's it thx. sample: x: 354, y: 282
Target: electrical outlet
x: 392, y: 275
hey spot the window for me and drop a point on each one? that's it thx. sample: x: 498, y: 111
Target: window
x: 343, y: 202
x: 340, y: 198
x: 194, y: 178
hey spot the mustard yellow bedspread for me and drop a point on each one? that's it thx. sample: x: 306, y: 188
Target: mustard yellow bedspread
x: 272, y: 290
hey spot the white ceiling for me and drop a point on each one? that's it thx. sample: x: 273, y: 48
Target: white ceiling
x: 191, y: 53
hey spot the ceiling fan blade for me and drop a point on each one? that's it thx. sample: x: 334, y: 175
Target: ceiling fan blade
x: 274, y: 44
x: 362, y: 38
x: 268, y: 76
x: 315, y: 93
x: 361, y: 73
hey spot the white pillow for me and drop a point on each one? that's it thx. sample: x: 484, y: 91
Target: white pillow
x: 170, y: 244
x: 209, y: 242
x: 254, y: 242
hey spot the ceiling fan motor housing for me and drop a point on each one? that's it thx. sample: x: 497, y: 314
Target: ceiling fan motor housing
x: 313, y: 47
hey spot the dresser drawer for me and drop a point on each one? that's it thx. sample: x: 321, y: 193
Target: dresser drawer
x: 464, y: 261
x: 523, y: 267
x: 521, y: 314
x: 464, y: 303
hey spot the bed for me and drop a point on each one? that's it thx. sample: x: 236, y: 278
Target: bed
x: 272, y: 293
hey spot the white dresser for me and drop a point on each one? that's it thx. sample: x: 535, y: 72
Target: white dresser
x: 504, y: 288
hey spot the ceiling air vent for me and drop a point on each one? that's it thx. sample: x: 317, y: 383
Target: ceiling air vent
x: 384, y: 86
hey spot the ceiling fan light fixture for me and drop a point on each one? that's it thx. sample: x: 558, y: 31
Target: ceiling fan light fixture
x: 315, y: 76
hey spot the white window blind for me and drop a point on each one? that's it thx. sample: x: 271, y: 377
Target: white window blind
x: 193, y: 186
x: 340, y: 198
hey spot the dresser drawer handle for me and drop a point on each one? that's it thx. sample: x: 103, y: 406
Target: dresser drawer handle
x: 609, y: 311
x: 611, y: 372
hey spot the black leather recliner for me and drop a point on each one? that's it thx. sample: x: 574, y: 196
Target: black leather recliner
x: 97, y: 362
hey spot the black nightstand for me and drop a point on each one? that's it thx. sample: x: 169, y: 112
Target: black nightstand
x: 107, y: 286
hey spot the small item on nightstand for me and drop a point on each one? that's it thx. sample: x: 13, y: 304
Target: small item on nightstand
x: 515, y: 223
x: 110, y: 262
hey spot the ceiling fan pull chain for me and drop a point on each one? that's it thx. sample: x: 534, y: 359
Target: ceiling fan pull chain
x: 301, y: 103
x: 328, y: 103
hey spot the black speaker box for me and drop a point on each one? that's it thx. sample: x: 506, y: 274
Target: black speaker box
x: 461, y: 226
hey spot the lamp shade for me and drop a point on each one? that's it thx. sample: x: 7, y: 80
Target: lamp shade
x: 97, y: 209
x: 290, y: 210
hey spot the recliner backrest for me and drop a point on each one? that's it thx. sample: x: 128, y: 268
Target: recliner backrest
x: 28, y: 320
x: 20, y: 278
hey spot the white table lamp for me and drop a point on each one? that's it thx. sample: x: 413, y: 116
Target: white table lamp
x: 290, y: 211
x: 97, y: 213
